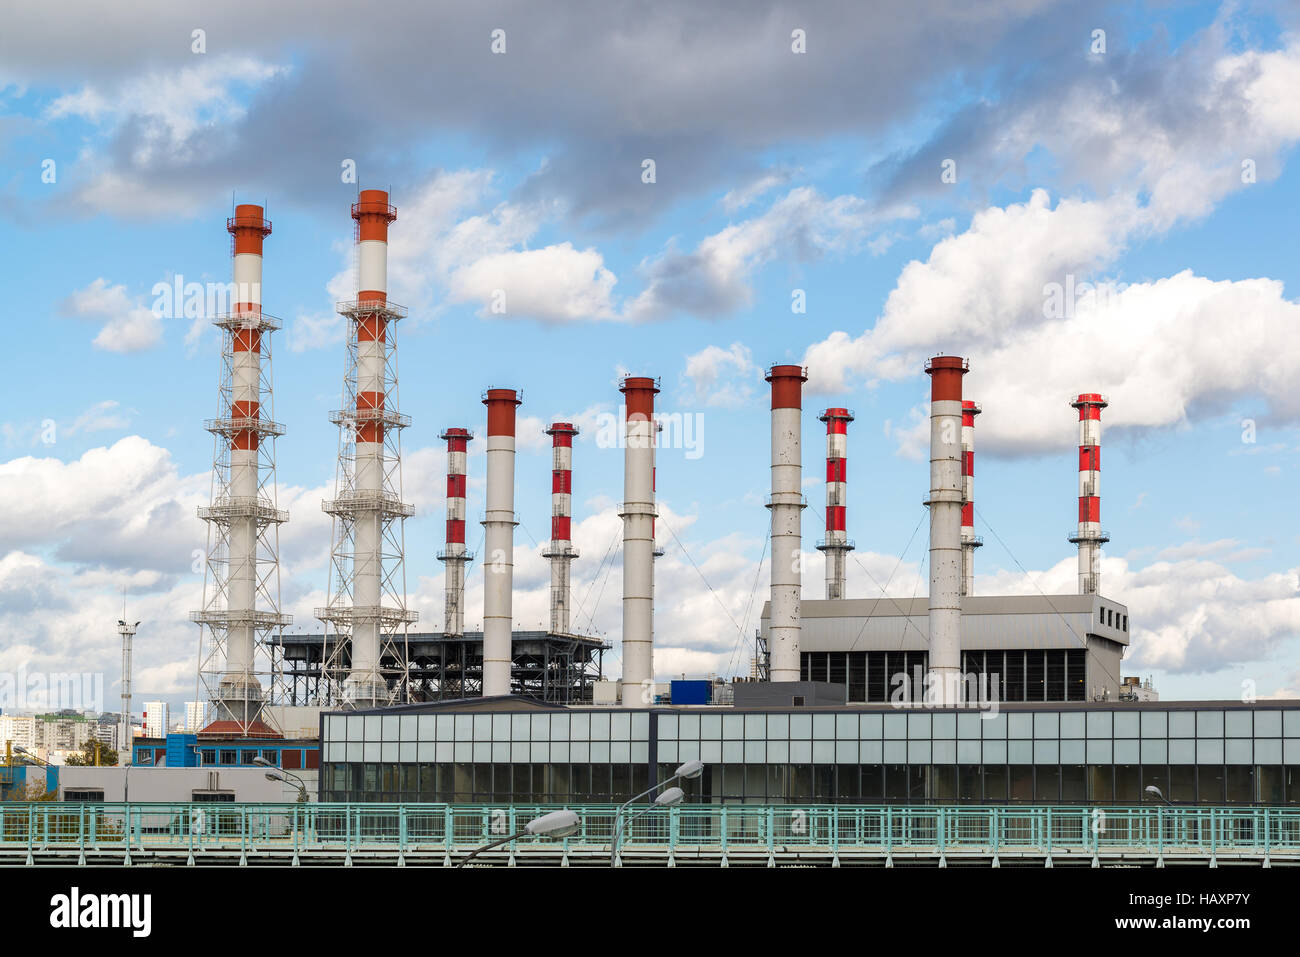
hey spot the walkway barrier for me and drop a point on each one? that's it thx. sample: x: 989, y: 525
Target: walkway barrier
x: 442, y: 834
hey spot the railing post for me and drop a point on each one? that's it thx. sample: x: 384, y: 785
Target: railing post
x: 401, y: 828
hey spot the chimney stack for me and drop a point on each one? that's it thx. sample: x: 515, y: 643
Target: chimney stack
x: 945, y: 504
x: 1089, y: 536
x: 969, y: 540
x: 638, y: 514
x: 561, y: 551
x: 836, y: 546
x: 454, y: 556
x: 786, y: 505
x: 499, y: 540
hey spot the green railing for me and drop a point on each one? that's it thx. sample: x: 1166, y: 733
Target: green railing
x: 937, y: 830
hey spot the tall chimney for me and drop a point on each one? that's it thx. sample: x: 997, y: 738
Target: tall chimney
x: 786, y: 504
x: 367, y: 596
x: 561, y: 551
x: 1089, y: 536
x: 454, y: 555
x: 969, y: 540
x: 499, y: 540
x: 945, y: 503
x: 836, y: 545
x: 241, y: 582
x: 638, y: 514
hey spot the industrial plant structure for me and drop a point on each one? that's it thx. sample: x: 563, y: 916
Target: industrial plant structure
x: 950, y: 696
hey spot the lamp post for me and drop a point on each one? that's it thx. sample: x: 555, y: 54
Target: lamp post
x: 688, y: 771
x: 555, y: 824
x: 126, y: 776
x: 279, y: 775
x: 1152, y: 789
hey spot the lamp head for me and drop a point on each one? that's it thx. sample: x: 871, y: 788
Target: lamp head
x: 671, y: 797
x: 556, y: 824
x: 690, y: 770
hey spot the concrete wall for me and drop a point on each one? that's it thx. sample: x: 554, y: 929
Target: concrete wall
x: 147, y: 784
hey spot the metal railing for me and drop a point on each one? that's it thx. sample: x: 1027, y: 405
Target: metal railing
x: 444, y: 831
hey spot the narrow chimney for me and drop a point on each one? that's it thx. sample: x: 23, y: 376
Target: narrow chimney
x: 638, y: 513
x: 945, y: 503
x: 969, y: 540
x: 1089, y: 536
x: 561, y: 551
x: 836, y: 545
x: 454, y: 556
x: 499, y: 533
x: 786, y: 505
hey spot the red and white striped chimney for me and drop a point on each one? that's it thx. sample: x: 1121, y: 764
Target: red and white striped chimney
x: 836, y: 545
x: 1089, y: 536
x: 454, y: 556
x: 969, y: 540
x: 638, y: 514
x: 499, y: 540
x: 786, y: 504
x: 945, y: 502
x: 561, y: 551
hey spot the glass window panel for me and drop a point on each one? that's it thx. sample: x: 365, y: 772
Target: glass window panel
x: 1270, y: 779
x: 407, y: 724
x: 755, y: 752
x: 778, y: 726
x: 1182, y: 783
x: 1182, y: 724
x: 895, y: 726
x: 1209, y: 724
x: 895, y: 752
x: 994, y: 727
x: 733, y: 727
x: 1074, y: 784
x: 599, y: 727
x: 640, y: 753
x: 1020, y: 779
x: 464, y: 727
x: 778, y: 752
x: 1020, y: 752
x: 823, y: 752
x: 620, y: 726
x: 560, y: 751
x: 1268, y: 724
x: 688, y: 751
x: 541, y: 727
x: 846, y: 752
x: 690, y: 726
x: 1128, y: 784
x: 1047, y: 724
x: 711, y: 726
x: 1155, y: 724
x: 541, y: 752
x: 667, y: 725
x: 968, y: 725
x: 482, y: 727
x: 1155, y: 752
x: 579, y: 752
x: 1101, y: 783
x: 1126, y: 725
x: 464, y: 752
x: 846, y: 726
x: 968, y: 752
x: 1209, y: 752
x: 944, y: 752
x: 446, y: 728
x: 710, y: 752
x: 1290, y: 728
x: 640, y: 725
x: 1182, y: 751
x: 944, y: 726
x: 1099, y: 724
x: 995, y: 781
x: 1209, y: 784
x: 1099, y: 752
x: 1047, y: 782
x: 599, y: 752
x: 918, y: 726
x: 1073, y: 752
x: 1290, y: 752
x: 620, y: 752
x: 995, y: 752
x: 1238, y: 751
x: 1268, y: 751
x: 1072, y: 724
x: 501, y: 752
x: 1126, y: 751
x: 824, y: 726
x: 871, y: 752
x: 1020, y: 725
x: 755, y: 727
x: 668, y: 752
x: 800, y: 726
x: 390, y: 727
x: 1047, y: 752
x: 1237, y: 724
x: 870, y: 726
x: 500, y: 727
x: 1239, y: 783
x: 482, y: 752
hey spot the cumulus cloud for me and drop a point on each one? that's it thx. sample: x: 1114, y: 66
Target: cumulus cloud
x: 126, y: 324
x: 721, y: 377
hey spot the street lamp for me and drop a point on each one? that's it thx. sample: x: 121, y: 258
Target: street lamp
x: 273, y: 776
x: 146, y: 762
x: 555, y: 824
x: 1152, y: 789
x: 687, y: 771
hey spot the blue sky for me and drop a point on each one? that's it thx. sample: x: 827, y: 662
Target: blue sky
x: 775, y: 171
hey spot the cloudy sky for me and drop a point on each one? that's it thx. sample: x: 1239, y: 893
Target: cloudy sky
x: 1077, y: 196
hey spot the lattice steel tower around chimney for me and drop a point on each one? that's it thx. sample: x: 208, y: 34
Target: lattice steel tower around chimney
x: 240, y: 624
x: 366, y: 618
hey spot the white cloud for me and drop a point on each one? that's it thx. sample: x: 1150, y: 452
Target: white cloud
x: 721, y: 377
x: 127, y: 324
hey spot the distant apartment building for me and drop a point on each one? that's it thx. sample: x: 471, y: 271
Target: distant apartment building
x: 63, y: 731
x: 107, y: 730
x: 18, y: 729
x: 156, y: 719
x: 193, y: 716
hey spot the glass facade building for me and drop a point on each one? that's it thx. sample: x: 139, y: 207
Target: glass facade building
x: 1096, y: 753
